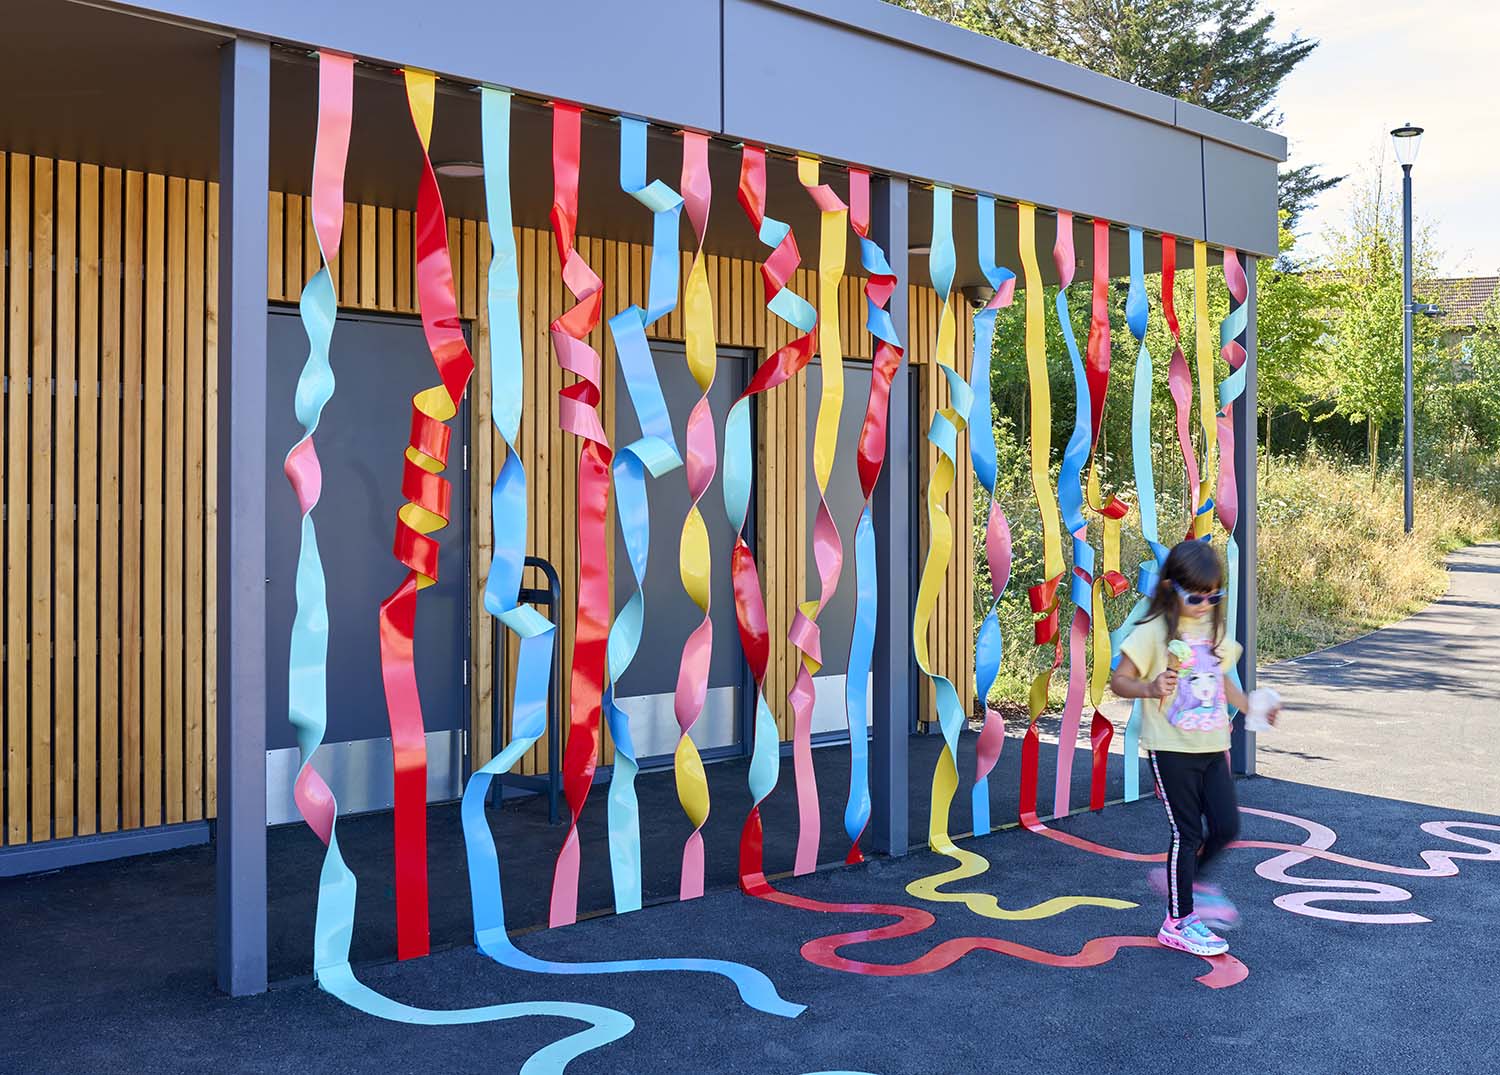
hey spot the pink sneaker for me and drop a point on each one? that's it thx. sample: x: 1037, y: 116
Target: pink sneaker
x: 1191, y: 935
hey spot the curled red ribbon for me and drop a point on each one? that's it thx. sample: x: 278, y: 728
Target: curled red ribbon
x: 578, y: 414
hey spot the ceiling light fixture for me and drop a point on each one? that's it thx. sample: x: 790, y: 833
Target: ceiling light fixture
x: 459, y: 169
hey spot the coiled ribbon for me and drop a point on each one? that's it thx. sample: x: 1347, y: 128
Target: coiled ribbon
x: 655, y: 452
x: 739, y: 467
x: 502, y: 591
x: 578, y: 414
x: 828, y: 546
x: 989, y: 643
x: 694, y: 557
x: 307, y: 681
x: 880, y: 284
x: 428, y: 495
x: 987, y: 652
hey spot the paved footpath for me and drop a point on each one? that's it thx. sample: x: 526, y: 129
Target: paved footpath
x: 1409, y: 712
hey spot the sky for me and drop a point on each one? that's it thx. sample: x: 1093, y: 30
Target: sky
x: 1379, y: 65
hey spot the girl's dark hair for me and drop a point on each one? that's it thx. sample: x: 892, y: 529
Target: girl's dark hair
x: 1195, y: 567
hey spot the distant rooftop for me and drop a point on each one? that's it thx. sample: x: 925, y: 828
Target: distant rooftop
x: 1461, y: 298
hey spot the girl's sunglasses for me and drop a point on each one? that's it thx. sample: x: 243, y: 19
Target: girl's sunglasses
x: 1198, y: 598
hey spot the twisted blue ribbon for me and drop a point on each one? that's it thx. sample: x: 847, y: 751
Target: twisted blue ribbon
x: 654, y: 453
x: 942, y: 264
x: 307, y: 694
x: 989, y: 644
x: 502, y: 590
x: 1137, y: 309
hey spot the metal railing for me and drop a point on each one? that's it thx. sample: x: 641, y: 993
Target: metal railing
x: 550, y: 783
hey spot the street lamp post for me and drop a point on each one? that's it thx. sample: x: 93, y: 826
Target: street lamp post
x: 1407, y: 140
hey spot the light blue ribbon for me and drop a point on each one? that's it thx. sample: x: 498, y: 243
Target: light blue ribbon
x: 529, y: 712
x: 989, y: 643
x: 738, y: 472
x: 308, y: 710
x: 655, y: 453
x: 942, y: 263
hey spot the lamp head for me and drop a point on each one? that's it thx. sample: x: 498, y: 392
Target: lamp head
x: 1407, y: 140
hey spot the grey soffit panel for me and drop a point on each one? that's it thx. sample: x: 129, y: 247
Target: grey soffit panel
x: 1240, y: 196
x: 663, y: 64
x: 359, y: 772
x: 944, y: 119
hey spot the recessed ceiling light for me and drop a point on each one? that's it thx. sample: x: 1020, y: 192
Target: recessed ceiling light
x: 459, y: 169
x: 919, y: 250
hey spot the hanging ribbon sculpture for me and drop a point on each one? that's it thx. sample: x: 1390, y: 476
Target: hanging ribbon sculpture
x: 1043, y: 596
x: 947, y: 422
x: 739, y: 467
x: 989, y: 644
x: 578, y: 414
x: 1207, y: 416
x: 428, y: 496
x: 694, y: 558
x: 307, y: 680
x: 1180, y: 381
x: 654, y: 453
x: 1227, y: 495
x: 502, y: 589
x: 828, y: 546
x: 987, y: 652
x: 880, y: 284
x: 1137, y: 311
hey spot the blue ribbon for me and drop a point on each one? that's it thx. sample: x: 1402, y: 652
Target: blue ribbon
x: 989, y: 643
x: 942, y: 262
x: 1070, y: 474
x: 307, y: 698
x: 529, y: 712
x: 654, y: 453
x: 738, y: 472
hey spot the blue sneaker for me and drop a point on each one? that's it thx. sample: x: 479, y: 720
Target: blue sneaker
x: 1191, y: 935
x: 1215, y: 908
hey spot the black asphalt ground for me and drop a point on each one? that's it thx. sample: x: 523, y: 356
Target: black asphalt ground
x: 115, y: 977
x: 108, y: 968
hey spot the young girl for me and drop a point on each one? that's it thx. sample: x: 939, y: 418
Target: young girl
x: 1175, y: 663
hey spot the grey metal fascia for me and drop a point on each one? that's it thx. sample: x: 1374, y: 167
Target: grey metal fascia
x: 885, y: 20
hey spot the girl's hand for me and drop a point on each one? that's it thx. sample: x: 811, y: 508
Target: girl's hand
x: 1274, y: 713
x: 1164, y: 685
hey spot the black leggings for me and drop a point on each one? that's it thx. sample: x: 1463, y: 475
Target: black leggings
x: 1196, y: 788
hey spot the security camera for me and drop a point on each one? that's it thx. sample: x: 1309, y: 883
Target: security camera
x: 978, y: 295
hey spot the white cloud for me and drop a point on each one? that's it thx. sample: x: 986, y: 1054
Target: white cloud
x: 1380, y: 64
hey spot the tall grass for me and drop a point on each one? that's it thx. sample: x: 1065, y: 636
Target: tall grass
x: 1333, y: 560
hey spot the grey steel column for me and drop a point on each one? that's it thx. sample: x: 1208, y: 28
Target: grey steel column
x: 893, y: 535
x: 1408, y: 424
x: 240, y: 843
x: 1242, y: 743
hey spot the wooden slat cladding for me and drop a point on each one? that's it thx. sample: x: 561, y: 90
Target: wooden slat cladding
x: 108, y: 473
x: 106, y: 604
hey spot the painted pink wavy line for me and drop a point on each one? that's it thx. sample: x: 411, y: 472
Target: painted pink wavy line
x: 1320, y: 838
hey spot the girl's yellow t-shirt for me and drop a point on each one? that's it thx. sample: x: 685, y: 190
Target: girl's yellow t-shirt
x: 1196, y: 719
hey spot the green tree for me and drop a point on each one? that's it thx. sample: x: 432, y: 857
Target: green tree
x: 1363, y: 348
x: 1292, y: 308
x: 1220, y: 54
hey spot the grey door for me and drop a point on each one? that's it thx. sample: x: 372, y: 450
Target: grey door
x: 836, y: 624
x: 645, y: 691
x: 379, y: 363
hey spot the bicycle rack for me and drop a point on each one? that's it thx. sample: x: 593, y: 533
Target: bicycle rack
x: 551, y: 783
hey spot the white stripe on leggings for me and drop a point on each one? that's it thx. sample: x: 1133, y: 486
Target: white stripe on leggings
x: 1174, y: 904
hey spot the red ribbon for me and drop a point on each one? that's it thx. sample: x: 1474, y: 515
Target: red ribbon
x: 430, y: 493
x: 578, y: 414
